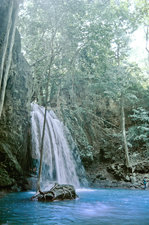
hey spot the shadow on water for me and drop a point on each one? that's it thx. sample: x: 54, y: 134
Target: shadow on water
x: 94, y: 207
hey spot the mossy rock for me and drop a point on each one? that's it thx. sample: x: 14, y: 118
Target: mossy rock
x: 10, y: 158
x: 58, y: 192
x: 5, y: 180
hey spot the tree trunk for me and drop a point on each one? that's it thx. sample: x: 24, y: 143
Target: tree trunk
x: 8, y: 58
x: 44, y: 124
x: 41, y: 150
x: 6, y: 40
x: 147, y: 40
x: 124, y: 134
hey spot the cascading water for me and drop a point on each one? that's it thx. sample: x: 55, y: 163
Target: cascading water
x: 58, y: 163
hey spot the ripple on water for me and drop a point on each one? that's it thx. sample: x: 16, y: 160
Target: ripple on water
x: 94, y: 207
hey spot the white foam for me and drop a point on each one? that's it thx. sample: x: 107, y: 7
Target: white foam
x: 85, y: 190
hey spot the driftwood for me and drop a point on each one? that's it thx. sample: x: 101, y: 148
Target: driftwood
x: 57, y: 192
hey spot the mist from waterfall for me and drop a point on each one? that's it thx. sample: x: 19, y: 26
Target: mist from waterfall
x: 58, y: 163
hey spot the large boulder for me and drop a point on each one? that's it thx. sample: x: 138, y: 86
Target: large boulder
x: 57, y: 192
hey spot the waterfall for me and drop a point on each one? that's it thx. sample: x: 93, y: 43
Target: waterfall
x: 58, y: 162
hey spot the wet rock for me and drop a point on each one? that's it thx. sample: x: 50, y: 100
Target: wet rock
x: 58, y: 192
x: 127, y: 178
x: 31, y: 183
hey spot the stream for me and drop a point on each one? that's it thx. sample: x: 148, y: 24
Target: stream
x: 93, y: 207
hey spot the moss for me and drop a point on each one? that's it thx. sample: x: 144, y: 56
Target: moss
x: 5, y: 180
x: 9, y: 157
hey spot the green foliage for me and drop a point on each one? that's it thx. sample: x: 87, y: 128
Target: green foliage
x: 139, y: 133
x: 90, y: 70
x: 83, y: 38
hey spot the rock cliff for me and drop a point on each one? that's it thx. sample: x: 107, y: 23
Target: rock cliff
x: 97, y: 133
x: 14, y: 121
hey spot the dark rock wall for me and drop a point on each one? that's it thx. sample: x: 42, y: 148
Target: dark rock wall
x: 14, y: 123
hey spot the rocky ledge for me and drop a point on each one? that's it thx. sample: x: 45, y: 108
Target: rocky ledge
x: 117, y: 175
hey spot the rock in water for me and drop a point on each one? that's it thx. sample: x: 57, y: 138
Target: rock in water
x: 57, y: 192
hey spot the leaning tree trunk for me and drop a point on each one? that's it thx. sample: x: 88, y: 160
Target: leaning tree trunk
x: 41, y: 150
x: 46, y: 103
x: 124, y: 138
x: 44, y: 125
x: 8, y: 43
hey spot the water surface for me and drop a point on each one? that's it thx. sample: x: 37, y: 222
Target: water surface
x: 94, y: 207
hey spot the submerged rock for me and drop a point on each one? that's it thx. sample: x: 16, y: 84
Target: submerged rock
x: 57, y: 192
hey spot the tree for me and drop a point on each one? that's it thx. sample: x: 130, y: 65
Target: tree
x: 123, y: 89
x: 138, y: 133
x: 46, y: 53
x: 90, y: 44
x: 142, y: 8
x: 44, y: 123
